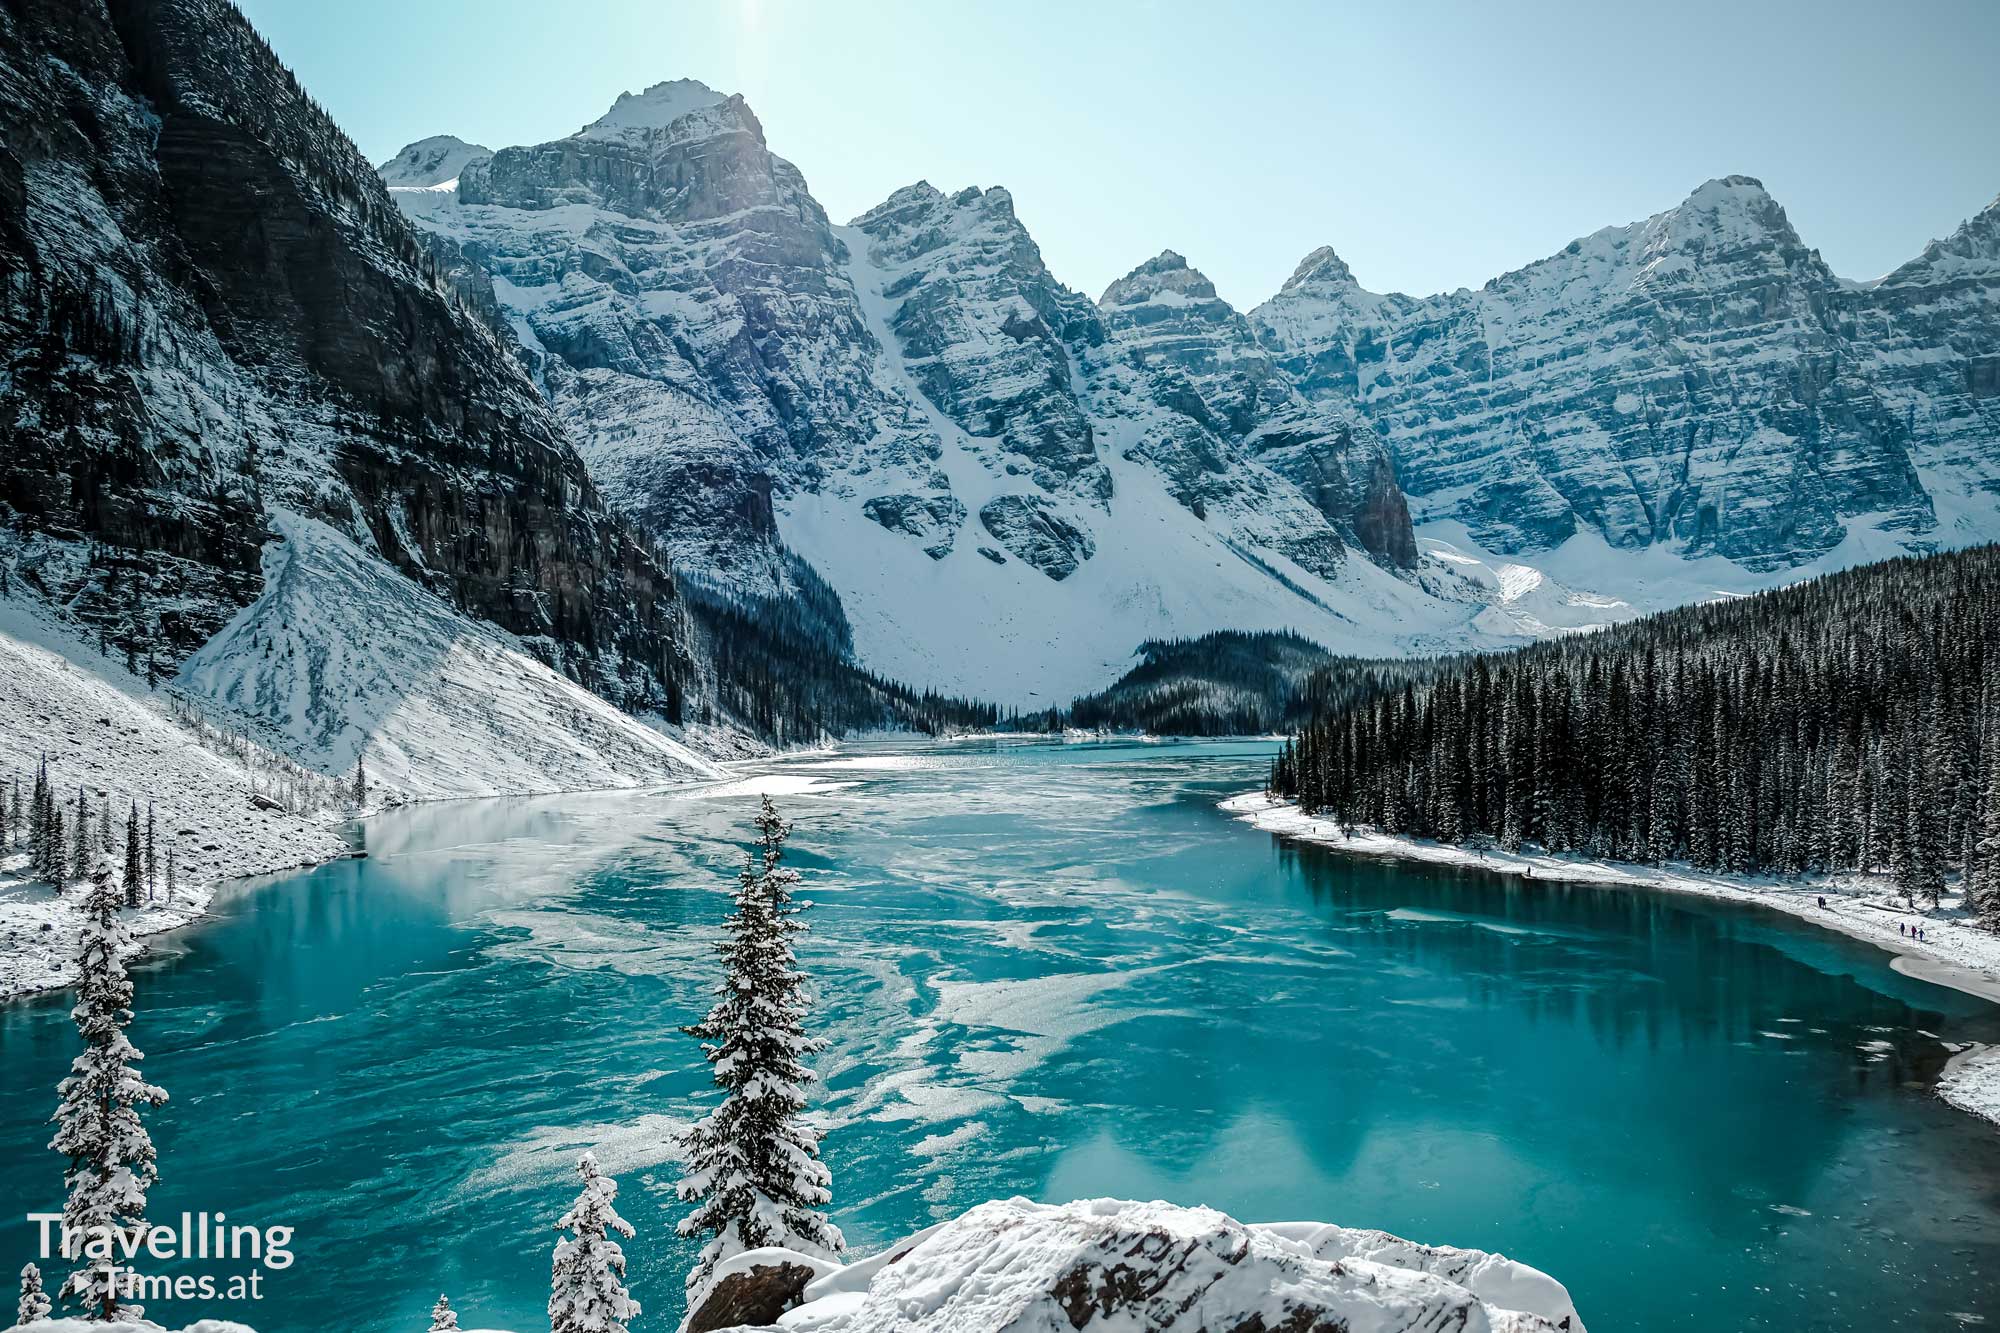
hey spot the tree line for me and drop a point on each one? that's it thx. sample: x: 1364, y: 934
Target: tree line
x: 65, y: 838
x: 1848, y: 723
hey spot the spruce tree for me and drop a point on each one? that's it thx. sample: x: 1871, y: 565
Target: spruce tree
x: 753, y: 1168
x: 111, y: 1160
x: 152, y: 857
x: 132, y: 884
x: 104, y: 823
x: 34, y: 1301
x: 586, y: 1280
x: 173, y: 873
x: 444, y: 1319
x: 80, y: 857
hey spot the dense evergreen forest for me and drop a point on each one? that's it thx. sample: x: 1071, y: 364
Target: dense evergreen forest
x: 1847, y: 723
x: 1236, y: 684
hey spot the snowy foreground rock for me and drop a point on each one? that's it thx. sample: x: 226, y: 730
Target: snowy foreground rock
x: 1012, y: 1266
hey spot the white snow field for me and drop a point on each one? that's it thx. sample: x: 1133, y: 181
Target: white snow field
x: 340, y: 656
x: 343, y: 655
x: 105, y: 731
x: 1951, y: 953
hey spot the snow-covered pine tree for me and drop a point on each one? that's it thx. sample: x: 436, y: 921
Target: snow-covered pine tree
x: 55, y: 858
x: 104, y: 823
x: 34, y: 1301
x: 444, y: 1319
x: 586, y: 1280
x: 152, y: 857
x: 753, y: 1168
x: 81, y: 842
x: 132, y: 857
x: 359, y: 790
x: 37, y: 815
x: 111, y: 1162
x: 173, y: 873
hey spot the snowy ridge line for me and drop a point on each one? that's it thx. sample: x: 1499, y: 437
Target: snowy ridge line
x: 1951, y: 954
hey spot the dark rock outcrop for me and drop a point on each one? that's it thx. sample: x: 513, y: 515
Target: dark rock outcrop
x: 250, y: 321
x: 1029, y: 527
x: 750, y: 1298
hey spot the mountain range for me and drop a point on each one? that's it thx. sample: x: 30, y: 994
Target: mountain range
x: 1006, y: 482
x: 626, y: 416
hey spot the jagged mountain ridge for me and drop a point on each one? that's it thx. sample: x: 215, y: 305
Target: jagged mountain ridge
x: 1700, y: 381
x: 211, y: 311
x: 1007, y: 487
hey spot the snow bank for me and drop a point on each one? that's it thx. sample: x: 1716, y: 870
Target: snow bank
x: 343, y: 655
x: 105, y: 731
x: 1952, y: 953
x: 1026, y: 1267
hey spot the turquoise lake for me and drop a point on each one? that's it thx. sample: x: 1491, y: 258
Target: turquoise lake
x: 1055, y: 971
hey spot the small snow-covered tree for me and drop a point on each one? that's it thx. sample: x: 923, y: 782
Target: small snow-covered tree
x: 444, y: 1319
x: 753, y: 1168
x: 132, y: 884
x: 111, y: 1160
x: 81, y: 843
x: 586, y: 1281
x: 34, y: 1301
x: 358, y: 790
x: 152, y: 857
x: 173, y: 872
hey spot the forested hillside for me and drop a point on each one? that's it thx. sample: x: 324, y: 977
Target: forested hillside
x: 1236, y: 684
x: 1847, y: 723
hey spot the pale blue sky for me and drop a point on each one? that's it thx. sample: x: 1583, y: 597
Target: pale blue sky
x: 1432, y: 145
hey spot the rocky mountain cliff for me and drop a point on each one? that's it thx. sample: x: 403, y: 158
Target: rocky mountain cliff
x: 1007, y: 485
x: 1699, y: 381
x: 210, y: 310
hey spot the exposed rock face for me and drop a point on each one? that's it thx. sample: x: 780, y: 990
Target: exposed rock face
x: 986, y: 331
x: 753, y: 1295
x: 746, y: 377
x: 1700, y: 378
x: 1104, y: 1264
x: 1206, y: 363
x: 1029, y: 527
x: 684, y: 303
x: 254, y: 323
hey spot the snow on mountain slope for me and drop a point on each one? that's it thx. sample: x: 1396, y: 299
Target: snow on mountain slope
x: 1006, y: 501
x: 348, y: 657
x: 1000, y: 624
x: 102, y: 729
x: 431, y: 164
x: 1699, y: 381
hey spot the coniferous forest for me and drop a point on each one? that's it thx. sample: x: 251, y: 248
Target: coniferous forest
x: 1847, y: 723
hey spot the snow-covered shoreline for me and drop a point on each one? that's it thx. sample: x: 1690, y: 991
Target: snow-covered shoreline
x: 1951, y: 954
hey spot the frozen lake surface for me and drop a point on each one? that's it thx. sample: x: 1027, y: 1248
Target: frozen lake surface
x: 1053, y: 971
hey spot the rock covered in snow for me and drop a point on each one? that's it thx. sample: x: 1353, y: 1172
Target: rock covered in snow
x: 432, y: 164
x: 1004, y: 500
x: 1019, y: 1267
x: 1699, y: 379
x: 232, y: 314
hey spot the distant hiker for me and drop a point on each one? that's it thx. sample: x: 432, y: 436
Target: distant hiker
x: 1822, y: 901
x: 1899, y: 927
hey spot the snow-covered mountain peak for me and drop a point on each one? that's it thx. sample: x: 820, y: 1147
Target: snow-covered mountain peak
x: 1970, y: 252
x: 656, y: 108
x: 1723, y: 214
x: 1322, y: 270
x: 1165, y: 274
x: 430, y: 163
